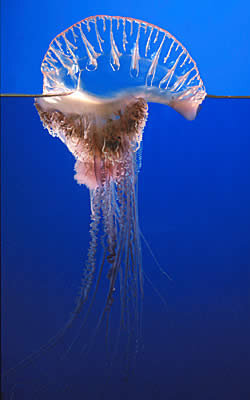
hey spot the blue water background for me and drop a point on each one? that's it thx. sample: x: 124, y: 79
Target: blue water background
x: 194, y: 208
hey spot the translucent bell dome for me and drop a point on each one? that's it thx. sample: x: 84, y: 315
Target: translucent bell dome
x: 105, y: 58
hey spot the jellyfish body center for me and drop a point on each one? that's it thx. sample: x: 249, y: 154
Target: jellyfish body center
x: 99, y: 133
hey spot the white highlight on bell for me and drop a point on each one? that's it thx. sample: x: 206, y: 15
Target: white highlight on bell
x: 81, y: 102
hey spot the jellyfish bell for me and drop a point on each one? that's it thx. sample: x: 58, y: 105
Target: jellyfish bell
x: 112, y: 67
x: 148, y: 62
x: 109, y: 63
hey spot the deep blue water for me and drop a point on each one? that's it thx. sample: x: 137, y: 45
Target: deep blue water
x: 194, y: 207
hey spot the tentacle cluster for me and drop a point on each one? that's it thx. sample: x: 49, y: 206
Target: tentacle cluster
x: 105, y: 147
x: 118, y: 208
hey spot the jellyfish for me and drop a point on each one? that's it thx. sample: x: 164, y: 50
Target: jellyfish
x: 109, y: 68
x: 98, y: 77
